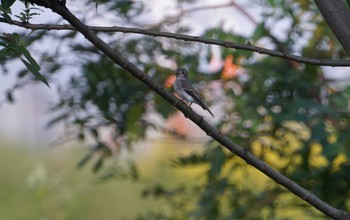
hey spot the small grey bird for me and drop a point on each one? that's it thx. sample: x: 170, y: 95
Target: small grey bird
x: 185, y: 90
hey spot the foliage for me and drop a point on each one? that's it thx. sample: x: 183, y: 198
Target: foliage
x: 286, y: 113
x: 15, y: 46
x: 6, y: 4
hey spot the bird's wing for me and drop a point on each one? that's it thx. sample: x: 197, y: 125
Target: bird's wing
x: 192, y: 92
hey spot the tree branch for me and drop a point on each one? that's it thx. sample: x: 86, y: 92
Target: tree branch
x: 337, y: 15
x: 199, y: 120
x: 227, y: 44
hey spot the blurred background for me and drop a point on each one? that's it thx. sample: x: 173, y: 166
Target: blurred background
x: 98, y: 144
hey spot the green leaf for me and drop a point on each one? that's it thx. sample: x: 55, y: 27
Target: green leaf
x: 193, y: 159
x: 9, y: 97
x: 84, y: 160
x: 9, y: 39
x: 272, y: 3
x: 133, y: 171
x: 6, y: 17
x: 32, y: 68
x: 94, y: 132
x: 5, y: 53
x: 133, y: 118
x: 217, y: 159
x: 98, y: 164
x: 259, y: 32
x: 30, y: 63
x: 108, y: 175
x: 57, y: 119
x: 124, y: 6
x: 27, y: 55
x: 22, y: 73
x: 6, y: 4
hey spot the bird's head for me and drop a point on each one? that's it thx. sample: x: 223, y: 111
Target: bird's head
x: 181, y: 72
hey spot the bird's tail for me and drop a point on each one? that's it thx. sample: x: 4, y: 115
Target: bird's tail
x: 205, y: 107
x: 210, y: 112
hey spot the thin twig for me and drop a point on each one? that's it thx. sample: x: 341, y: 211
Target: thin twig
x: 173, y: 18
x: 227, y: 44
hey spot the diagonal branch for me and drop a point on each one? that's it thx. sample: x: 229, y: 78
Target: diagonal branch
x: 199, y: 120
x: 227, y: 44
x: 337, y: 15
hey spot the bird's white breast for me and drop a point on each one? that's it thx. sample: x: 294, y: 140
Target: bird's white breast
x: 181, y: 92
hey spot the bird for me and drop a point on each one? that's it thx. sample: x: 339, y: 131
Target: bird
x: 185, y: 90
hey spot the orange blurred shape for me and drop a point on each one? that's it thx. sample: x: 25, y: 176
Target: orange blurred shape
x: 169, y: 82
x: 230, y: 69
x: 183, y: 127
